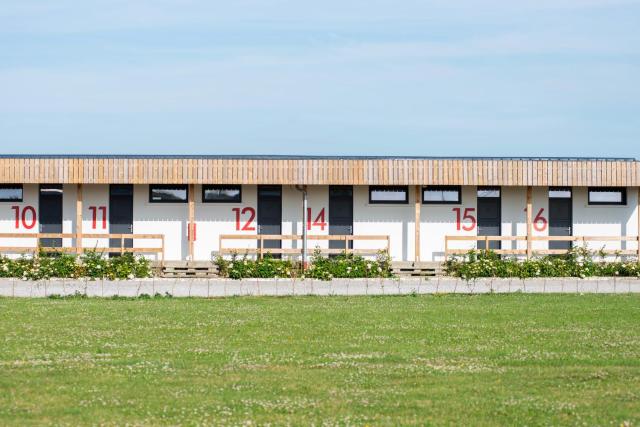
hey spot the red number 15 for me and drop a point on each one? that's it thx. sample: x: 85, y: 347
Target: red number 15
x: 467, y: 216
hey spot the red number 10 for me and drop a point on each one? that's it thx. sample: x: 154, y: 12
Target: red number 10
x: 32, y: 212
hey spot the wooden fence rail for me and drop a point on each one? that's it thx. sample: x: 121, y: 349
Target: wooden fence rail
x: 579, y: 239
x: 260, y: 250
x: 159, y: 251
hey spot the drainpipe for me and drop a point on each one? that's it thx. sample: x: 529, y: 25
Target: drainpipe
x: 303, y: 189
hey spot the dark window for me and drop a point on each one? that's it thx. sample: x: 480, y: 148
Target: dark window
x: 168, y: 193
x: 11, y: 193
x: 607, y: 196
x: 221, y: 194
x: 442, y: 195
x: 391, y: 195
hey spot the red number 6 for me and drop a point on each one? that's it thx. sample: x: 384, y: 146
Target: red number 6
x: 540, y: 222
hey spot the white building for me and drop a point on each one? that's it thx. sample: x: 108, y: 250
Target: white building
x: 184, y: 207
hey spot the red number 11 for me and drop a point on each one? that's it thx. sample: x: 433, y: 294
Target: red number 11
x: 94, y: 215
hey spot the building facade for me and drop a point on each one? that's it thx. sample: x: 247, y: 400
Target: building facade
x: 419, y: 209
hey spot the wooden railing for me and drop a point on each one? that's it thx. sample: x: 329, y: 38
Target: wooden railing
x: 260, y: 250
x: 578, y: 239
x: 159, y: 251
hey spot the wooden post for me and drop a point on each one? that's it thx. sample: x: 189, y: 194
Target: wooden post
x: 529, y: 222
x: 192, y: 214
x: 79, y: 220
x: 638, y: 229
x: 162, y: 261
x: 418, y: 203
x: 446, y: 248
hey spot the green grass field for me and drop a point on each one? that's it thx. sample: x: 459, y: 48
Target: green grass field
x: 481, y: 360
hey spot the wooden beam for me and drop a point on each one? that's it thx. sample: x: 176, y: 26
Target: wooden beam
x: 418, y: 203
x: 320, y: 171
x: 529, y: 223
x: 191, y: 230
x: 79, y: 219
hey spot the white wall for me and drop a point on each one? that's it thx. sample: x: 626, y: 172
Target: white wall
x: 95, y: 196
x: 397, y: 221
x: 214, y: 219
x: 605, y: 220
x: 8, y: 219
x: 514, y: 216
x: 438, y: 221
x: 170, y: 219
x: 317, y: 201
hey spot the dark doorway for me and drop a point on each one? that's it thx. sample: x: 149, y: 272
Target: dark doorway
x: 120, y: 214
x: 489, y: 215
x: 270, y: 214
x: 50, y: 208
x: 340, y: 214
x: 560, y: 216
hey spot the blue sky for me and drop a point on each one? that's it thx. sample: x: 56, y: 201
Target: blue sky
x: 403, y: 77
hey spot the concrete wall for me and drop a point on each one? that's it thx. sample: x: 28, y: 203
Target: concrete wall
x: 213, y: 288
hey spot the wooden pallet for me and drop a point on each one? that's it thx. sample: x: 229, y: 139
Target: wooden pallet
x: 417, y: 269
x: 190, y: 269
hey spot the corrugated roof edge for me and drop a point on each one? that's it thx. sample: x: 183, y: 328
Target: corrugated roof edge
x: 296, y: 157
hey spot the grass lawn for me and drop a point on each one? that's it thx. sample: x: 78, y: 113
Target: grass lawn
x: 481, y: 360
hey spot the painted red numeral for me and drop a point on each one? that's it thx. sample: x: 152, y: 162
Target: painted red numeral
x: 23, y: 218
x: 539, y: 222
x: 247, y: 225
x: 195, y: 231
x: 465, y: 217
x: 318, y: 222
x: 94, y: 216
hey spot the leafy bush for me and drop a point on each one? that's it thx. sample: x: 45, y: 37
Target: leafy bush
x: 578, y: 262
x: 91, y: 264
x: 267, y: 267
x: 127, y: 266
x: 348, y: 266
x: 323, y: 268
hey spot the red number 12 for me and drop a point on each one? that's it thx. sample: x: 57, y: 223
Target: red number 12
x: 247, y: 225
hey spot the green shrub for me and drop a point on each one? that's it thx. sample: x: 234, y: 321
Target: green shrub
x: 348, y: 266
x: 267, y: 267
x: 578, y: 262
x: 95, y: 265
x: 323, y: 268
x: 90, y: 264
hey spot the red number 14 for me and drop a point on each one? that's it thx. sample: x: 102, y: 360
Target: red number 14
x: 318, y: 222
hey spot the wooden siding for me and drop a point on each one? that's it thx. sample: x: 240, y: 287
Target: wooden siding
x: 86, y: 170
